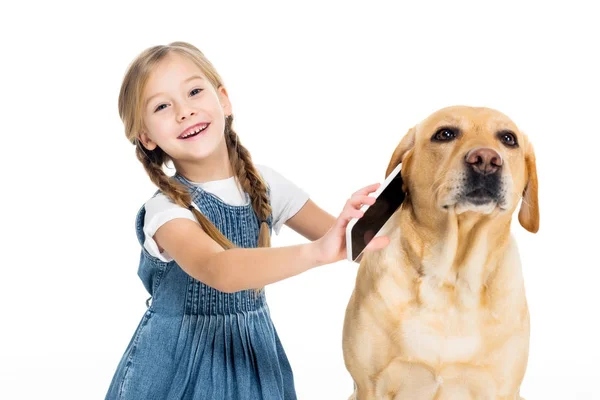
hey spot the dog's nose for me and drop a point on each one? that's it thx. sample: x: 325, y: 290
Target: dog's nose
x: 484, y: 160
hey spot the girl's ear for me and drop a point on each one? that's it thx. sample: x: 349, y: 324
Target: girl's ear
x: 224, y: 100
x: 146, y: 141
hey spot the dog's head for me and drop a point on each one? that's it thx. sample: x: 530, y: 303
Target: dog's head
x: 472, y: 159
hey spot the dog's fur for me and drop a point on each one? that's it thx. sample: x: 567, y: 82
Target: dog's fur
x: 441, y: 312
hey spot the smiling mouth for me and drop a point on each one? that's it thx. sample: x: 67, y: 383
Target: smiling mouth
x: 195, y: 132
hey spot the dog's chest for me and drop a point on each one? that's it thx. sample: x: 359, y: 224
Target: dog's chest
x: 443, y: 322
x: 444, y: 325
x: 439, y: 337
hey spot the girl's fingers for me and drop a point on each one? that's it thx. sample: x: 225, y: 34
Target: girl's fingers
x: 352, y: 210
x: 377, y: 243
x: 368, y: 189
x: 347, y: 214
x: 355, y: 213
x: 354, y: 203
x: 357, y: 200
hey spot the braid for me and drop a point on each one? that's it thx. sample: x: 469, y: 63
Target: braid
x: 250, y: 180
x: 178, y: 193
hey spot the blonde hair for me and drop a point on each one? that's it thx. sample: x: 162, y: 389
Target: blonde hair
x: 130, y: 111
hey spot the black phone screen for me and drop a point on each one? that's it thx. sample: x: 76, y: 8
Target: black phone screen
x: 376, y: 215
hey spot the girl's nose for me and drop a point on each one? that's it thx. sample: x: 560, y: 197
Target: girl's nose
x: 185, y: 113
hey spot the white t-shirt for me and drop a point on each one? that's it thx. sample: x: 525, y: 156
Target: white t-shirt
x: 286, y: 200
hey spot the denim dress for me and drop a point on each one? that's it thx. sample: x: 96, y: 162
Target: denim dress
x: 196, y: 342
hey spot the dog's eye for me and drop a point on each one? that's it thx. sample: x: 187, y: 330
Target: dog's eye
x: 508, y: 138
x: 445, y: 134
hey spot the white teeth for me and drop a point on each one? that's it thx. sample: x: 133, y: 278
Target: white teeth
x: 201, y: 128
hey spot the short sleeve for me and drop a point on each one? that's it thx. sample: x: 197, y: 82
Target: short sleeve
x: 159, y: 210
x: 287, y: 198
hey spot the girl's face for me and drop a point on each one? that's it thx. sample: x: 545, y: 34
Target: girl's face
x: 177, y: 102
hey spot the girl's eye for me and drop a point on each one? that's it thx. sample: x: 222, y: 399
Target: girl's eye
x: 193, y: 92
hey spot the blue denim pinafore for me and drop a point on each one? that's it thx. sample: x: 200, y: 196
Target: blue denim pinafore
x: 195, y: 342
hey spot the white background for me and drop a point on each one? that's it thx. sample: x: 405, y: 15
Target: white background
x: 340, y: 83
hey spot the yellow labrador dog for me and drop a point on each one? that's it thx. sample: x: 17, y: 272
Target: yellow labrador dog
x: 441, y: 312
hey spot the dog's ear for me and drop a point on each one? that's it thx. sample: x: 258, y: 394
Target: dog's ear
x: 406, y: 144
x: 529, y: 214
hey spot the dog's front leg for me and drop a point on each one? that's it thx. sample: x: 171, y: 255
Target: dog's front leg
x: 401, y: 380
x: 364, y: 392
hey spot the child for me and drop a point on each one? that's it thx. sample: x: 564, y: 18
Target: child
x: 205, y: 240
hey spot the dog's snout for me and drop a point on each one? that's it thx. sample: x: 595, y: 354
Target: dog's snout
x: 484, y: 160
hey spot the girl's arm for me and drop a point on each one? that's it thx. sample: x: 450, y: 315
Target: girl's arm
x: 311, y: 221
x: 239, y: 268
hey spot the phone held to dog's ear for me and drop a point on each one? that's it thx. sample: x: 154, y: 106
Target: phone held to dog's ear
x: 360, y: 231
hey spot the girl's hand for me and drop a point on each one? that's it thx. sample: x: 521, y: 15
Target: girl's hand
x: 332, y: 246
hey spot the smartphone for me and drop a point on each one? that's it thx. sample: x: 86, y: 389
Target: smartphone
x: 360, y: 231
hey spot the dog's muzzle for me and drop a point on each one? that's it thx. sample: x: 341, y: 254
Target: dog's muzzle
x: 483, y: 173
